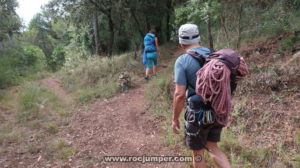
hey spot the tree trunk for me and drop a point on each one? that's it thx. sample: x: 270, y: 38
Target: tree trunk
x: 136, y: 48
x: 240, y: 29
x: 168, y: 27
x: 1, y: 46
x: 210, y: 38
x: 137, y: 22
x: 170, y: 12
x: 223, y: 24
x: 111, y: 34
x: 96, y: 34
x: 148, y: 27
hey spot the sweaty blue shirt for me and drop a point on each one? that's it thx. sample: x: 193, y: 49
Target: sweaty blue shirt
x: 186, y: 68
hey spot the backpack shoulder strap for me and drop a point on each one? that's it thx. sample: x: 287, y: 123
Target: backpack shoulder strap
x: 199, y: 58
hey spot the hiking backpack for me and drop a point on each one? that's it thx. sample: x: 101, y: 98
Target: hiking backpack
x: 207, y: 115
x: 230, y: 58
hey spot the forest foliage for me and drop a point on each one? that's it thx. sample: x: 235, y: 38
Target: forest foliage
x: 66, y: 33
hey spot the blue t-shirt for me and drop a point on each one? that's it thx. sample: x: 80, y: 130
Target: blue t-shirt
x: 186, y: 68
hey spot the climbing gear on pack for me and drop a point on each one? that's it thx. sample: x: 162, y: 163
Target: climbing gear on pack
x: 207, y: 117
x: 203, y: 115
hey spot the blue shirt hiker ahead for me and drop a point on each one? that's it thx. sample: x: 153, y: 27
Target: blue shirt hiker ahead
x: 151, y: 51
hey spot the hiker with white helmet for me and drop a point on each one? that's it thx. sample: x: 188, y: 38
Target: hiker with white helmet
x: 207, y: 92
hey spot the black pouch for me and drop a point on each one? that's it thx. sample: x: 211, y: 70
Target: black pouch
x: 190, y: 115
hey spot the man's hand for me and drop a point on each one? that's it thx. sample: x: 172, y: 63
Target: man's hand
x: 175, y: 126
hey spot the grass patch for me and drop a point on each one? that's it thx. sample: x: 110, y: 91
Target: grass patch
x: 297, y: 160
x: 67, y: 153
x: 35, y: 124
x: 34, y: 113
x: 36, y: 76
x: 52, y: 128
x: 242, y: 156
x: 37, y: 103
x: 98, y: 77
x: 298, y: 140
x: 159, y: 93
x: 105, y: 90
x: 289, y: 43
x: 33, y: 149
x: 60, y: 149
x: 8, y: 135
x: 2, y: 94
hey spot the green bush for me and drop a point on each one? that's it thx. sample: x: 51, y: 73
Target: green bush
x: 33, y: 56
x: 8, y: 76
x: 18, y: 61
x: 57, y: 58
x: 290, y: 42
x: 11, y: 67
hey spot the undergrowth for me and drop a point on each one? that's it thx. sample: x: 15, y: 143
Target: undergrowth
x: 98, y: 77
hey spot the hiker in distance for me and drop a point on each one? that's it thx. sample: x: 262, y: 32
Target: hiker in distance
x: 201, y: 84
x: 151, y: 52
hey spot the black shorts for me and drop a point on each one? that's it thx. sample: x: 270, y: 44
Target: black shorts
x: 210, y: 133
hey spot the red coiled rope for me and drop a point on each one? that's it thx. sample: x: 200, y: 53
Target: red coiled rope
x: 213, y: 84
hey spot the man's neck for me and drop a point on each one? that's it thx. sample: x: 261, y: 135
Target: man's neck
x: 188, y: 47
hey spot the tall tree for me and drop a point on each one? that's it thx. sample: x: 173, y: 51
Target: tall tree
x: 96, y: 33
x: 9, y: 20
x: 106, y: 7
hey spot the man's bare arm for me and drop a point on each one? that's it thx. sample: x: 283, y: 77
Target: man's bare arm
x: 178, y: 104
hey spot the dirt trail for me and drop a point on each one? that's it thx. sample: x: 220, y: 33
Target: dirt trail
x: 120, y: 126
x: 54, y: 84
